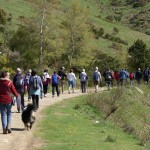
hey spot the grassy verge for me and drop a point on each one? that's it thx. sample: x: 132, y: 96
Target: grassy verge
x: 128, y: 108
x: 76, y: 125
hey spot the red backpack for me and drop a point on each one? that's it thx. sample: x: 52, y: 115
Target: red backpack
x: 131, y: 76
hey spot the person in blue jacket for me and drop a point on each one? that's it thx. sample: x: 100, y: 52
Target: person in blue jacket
x: 35, y: 88
x: 122, y: 76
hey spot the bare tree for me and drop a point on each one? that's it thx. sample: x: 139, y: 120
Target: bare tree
x: 42, y: 34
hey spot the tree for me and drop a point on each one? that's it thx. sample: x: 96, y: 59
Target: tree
x: 139, y: 55
x: 76, y: 36
x: 25, y: 41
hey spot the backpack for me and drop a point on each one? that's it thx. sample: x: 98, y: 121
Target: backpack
x: 35, y: 83
x: 146, y: 73
x: 44, y: 79
x: 54, y: 79
x: 131, y: 76
x: 108, y: 75
x: 26, y: 80
x: 18, y: 83
x: 83, y: 77
x: 96, y: 76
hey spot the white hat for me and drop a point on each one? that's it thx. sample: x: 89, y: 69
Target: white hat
x: 83, y: 70
x: 96, y: 68
x: 29, y: 70
x: 18, y: 69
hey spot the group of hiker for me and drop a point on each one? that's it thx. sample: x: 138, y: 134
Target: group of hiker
x: 35, y: 86
x: 123, y: 77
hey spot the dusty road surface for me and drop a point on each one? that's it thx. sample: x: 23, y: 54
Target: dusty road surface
x: 20, y: 139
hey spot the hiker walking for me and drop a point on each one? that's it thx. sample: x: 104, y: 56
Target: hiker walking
x: 122, y: 76
x: 138, y: 76
x: 131, y: 76
x: 108, y: 78
x: 45, y: 81
x: 6, y: 89
x: 96, y: 79
x: 63, y: 75
x: 113, y: 77
x: 146, y: 75
x: 83, y: 79
x: 26, y: 82
x: 55, y: 80
x: 117, y: 77
x: 127, y: 76
x: 71, y: 81
x: 35, y: 88
x: 18, y: 82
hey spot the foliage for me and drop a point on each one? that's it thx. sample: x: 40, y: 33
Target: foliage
x: 105, y: 61
x: 64, y: 20
x: 139, y: 54
x: 137, y: 3
x: 97, y: 32
x: 116, y: 2
x: 76, y: 36
x: 113, y: 37
x: 25, y: 42
x: 3, y: 17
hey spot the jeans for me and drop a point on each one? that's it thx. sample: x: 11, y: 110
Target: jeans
x: 71, y: 84
x: 131, y: 82
x: 108, y: 84
x: 45, y: 87
x: 6, y: 115
x: 20, y: 101
x: 55, y: 86
x: 35, y: 101
x: 83, y: 86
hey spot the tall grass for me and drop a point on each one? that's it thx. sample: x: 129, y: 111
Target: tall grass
x: 127, y: 108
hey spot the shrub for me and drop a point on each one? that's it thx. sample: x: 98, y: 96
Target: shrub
x: 110, y: 18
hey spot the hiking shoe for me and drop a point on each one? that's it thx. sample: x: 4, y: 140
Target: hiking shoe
x: 9, y: 130
x: 4, y: 131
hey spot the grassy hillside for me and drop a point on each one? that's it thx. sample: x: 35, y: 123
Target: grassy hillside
x: 128, y: 108
x: 18, y: 8
x: 101, y: 14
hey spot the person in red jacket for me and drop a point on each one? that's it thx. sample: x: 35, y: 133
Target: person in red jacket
x: 117, y: 77
x: 6, y: 89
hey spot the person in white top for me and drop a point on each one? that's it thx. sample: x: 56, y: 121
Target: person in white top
x: 45, y: 81
x: 71, y: 81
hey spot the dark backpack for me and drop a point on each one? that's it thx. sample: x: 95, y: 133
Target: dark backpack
x: 146, y: 73
x: 35, y: 83
x: 108, y: 75
x: 18, y: 83
x: 54, y: 79
x: 96, y: 76
x: 83, y: 77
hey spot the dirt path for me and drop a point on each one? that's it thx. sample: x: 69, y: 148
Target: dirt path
x: 21, y: 139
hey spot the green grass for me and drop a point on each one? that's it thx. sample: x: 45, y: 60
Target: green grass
x: 18, y: 8
x: 66, y: 128
x: 132, y: 113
